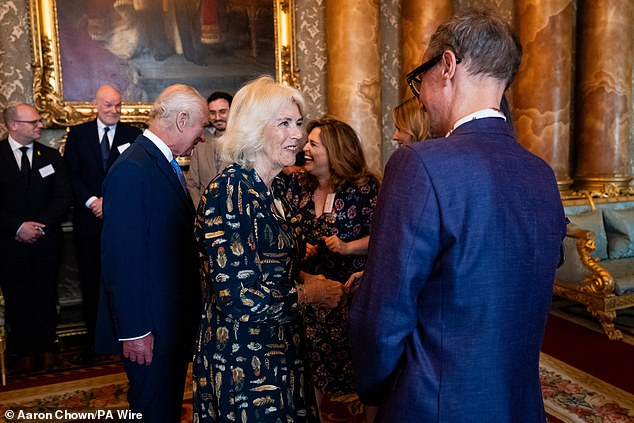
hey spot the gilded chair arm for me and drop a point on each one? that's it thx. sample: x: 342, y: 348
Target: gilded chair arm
x: 580, y: 270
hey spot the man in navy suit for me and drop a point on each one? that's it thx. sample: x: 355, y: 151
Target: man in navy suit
x: 88, y: 167
x: 448, y: 319
x: 150, y: 298
x: 35, y: 197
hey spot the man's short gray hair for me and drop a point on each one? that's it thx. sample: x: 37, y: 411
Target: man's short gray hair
x: 175, y: 99
x: 486, y: 44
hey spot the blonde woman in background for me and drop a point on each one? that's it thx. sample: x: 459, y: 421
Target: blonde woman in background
x: 412, y: 124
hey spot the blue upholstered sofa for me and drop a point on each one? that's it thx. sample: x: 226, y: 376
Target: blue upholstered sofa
x: 599, y: 248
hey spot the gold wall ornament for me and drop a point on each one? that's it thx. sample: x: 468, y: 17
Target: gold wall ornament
x: 284, y: 42
x: 48, y: 76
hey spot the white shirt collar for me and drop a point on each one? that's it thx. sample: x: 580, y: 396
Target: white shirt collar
x: 480, y: 114
x: 101, y: 126
x: 160, y: 144
x: 16, y: 145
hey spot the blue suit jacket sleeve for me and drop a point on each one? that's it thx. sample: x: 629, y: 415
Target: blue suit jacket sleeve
x: 383, y: 314
x: 126, y: 224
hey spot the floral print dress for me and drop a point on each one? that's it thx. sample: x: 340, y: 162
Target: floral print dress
x: 326, y: 332
x: 248, y: 363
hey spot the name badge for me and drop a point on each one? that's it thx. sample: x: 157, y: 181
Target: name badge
x: 123, y: 147
x: 330, y: 201
x: 47, y: 170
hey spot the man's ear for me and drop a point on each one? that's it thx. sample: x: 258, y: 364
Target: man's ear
x: 448, y: 64
x: 181, y: 120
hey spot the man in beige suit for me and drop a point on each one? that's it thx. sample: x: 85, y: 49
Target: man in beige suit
x: 206, y: 162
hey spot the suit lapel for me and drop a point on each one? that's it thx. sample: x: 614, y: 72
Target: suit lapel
x: 94, y: 141
x: 38, y: 162
x: 8, y: 157
x: 167, y: 171
x: 117, y: 141
x: 10, y: 166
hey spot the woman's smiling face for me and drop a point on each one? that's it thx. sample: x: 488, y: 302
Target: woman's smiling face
x: 316, y: 158
x: 282, y: 137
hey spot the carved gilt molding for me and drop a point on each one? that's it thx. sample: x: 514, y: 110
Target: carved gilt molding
x: 48, y: 78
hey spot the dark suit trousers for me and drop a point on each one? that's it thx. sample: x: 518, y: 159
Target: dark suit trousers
x: 29, y: 285
x: 88, y: 252
x: 157, y: 390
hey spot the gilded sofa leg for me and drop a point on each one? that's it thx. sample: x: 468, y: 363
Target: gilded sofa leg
x: 606, y: 318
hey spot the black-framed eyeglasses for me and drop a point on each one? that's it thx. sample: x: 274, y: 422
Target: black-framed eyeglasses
x: 415, y: 77
x: 32, y: 122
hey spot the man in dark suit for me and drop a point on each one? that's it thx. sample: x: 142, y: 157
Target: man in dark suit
x: 448, y: 319
x: 150, y: 298
x: 35, y: 197
x: 91, y: 149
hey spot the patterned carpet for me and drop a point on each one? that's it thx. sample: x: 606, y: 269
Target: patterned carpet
x: 87, y: 398
x: 570, y: 394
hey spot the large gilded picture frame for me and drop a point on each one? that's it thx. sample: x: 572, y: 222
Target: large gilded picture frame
x: 248, y: 47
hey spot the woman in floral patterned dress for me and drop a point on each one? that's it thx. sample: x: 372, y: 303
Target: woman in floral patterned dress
x: 249, y: 357
x: 333, y: 200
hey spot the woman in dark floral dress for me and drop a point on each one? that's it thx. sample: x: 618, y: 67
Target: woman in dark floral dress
x: 249, y: 357
x: 334, y: 201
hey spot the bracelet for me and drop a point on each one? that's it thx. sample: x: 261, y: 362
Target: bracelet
x: 301, y: 295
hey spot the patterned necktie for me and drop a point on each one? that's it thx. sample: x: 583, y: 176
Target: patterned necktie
x: 25, y: 165
x: 179, y: 173
x: 105, y: 147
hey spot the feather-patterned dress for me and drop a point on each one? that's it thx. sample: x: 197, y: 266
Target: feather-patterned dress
x: 249, y: 361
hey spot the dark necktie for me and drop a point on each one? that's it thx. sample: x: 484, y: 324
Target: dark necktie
x: 25, y: 165
x: 179, y: 173
x: 105, y: 147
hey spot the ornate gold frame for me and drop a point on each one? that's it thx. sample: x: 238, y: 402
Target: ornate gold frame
x: 47, y: 72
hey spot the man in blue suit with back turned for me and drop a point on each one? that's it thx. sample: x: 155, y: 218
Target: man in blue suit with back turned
x: 448, y: 319
x: 149, y: 305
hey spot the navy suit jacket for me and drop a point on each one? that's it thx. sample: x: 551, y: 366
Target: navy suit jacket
x: 150, y: 268
x: 83, y: 158
x: 46, y: 199
x: 449, y: 316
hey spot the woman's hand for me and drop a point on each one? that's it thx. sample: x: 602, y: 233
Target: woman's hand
x: 311, y: 250
x: 335, y: 244
x: 356, y: 246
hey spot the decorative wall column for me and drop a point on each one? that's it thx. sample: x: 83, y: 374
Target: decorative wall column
x: 353, y: 81
x: 543, y: 85
x: 603, y: 94
x: 419, y: 21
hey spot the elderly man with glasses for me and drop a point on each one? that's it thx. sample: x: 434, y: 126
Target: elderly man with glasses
x: 449, y: 316
x: 35, y: 196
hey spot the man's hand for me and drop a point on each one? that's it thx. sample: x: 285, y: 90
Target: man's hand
x: 139, y: 350
x: 323, y: 293
x: 95, y: 207
x: 30, y: 232
x: 353, y: 282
